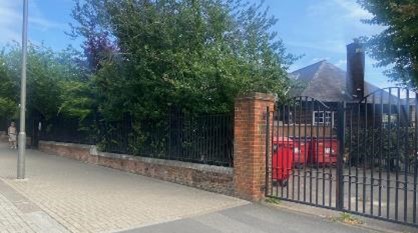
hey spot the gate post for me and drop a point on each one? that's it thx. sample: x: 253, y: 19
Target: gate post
x: 340, y: 158
x: 250, y: 145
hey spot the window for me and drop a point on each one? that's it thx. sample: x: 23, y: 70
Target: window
x: 321, y: 117
x: 393, y: 120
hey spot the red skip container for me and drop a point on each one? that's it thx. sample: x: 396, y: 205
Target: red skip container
x: 282, y: 160
x: 324, y: 151
x: 302, y: 147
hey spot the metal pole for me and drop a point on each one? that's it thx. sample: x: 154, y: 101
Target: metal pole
x: 266, y: 189
x: 340, y: 159
x: 22, y: 133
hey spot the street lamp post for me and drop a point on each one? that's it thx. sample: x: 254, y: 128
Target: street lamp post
x: 22, y: 133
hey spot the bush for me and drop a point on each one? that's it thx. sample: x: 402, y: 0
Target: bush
x: 392, y: 148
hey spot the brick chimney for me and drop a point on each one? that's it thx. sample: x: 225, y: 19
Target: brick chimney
x: 355, y: 70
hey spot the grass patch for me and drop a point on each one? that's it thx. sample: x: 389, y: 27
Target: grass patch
x: 273, y: 201
x: 348, y: 219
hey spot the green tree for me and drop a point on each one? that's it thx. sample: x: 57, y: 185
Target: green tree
x: 397, y: 45
x: 8, y: 91
x: 54, y: 80
x: 193, y: 54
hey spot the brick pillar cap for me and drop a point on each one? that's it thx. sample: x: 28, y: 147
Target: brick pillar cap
x: 257, y: 96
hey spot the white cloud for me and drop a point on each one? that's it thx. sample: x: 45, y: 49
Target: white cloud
x: 295, y: 67
x: 348, y: 9
x: 353, y: 9
x: 342, y: 63
x: 331, y: 45
x: 343, y: 15
x: 317, y: 59
x: 11, y: 20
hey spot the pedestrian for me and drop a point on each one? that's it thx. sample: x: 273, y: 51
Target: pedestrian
x: 12, y: 132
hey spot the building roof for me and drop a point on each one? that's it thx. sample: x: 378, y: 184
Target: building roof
x: 327, y: 83
x: 412, y: 101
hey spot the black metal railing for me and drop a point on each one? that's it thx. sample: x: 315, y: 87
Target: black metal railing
x: 60, y: 129
x: 206, y: 139
x: 3, y: 124
x: 200, y: 139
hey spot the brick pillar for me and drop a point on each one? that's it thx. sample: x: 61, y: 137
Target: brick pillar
x: 250, y: 145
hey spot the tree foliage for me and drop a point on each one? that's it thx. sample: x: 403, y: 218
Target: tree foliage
x: 53, y: 81
x: 8, y: 92
x: 193, y: 54
x: 397, y: 45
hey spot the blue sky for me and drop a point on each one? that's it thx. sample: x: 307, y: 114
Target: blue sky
x: 319, y: 29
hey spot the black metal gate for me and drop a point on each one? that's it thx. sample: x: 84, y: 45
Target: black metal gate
x: 359, y: 157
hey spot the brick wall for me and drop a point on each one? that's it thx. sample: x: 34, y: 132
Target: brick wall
x: 250, y: 145
x: 69, y: 150
x: 206, y: 177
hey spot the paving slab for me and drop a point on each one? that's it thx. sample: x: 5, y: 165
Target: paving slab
x: 88, y: 198
x: 18, y: 214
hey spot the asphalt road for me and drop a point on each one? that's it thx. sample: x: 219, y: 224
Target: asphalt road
x: 251, y: 218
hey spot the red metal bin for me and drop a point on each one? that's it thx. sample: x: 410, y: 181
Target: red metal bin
x: 324, y: 151
x: 302, y: 146
x: 282, y: 160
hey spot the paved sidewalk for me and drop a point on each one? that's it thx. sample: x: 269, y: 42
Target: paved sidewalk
x: 11, y: 218
x: 18, y: 214
x: 88, y: 198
